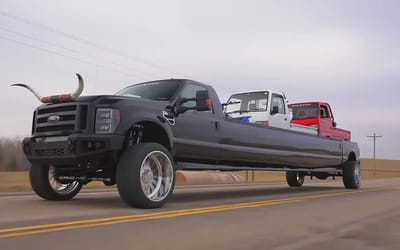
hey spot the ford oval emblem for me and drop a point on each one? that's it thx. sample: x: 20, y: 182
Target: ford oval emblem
x: 53, y: 118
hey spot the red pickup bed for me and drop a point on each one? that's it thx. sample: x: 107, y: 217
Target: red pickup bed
x: 318, y: 114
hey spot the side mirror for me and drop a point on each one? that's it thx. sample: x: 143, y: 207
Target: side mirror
x: 334, y: 124
x: 202, y: 100
x: 275, y: 110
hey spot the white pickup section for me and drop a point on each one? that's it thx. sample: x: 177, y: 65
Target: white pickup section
x: 268, y: 108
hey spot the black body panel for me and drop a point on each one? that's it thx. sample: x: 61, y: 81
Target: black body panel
x: 73, y: 150
x: 194, y: 136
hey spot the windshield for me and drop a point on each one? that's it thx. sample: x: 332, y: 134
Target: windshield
x: 159, y: 90
x: 247, y: 102
x: 304, y: 111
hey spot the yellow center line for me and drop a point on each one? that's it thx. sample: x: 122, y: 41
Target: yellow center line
x: 45, y: 228
x: 138, y: 216
x: 162, y: 216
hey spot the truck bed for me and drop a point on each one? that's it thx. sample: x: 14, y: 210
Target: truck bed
x: 336, y: 133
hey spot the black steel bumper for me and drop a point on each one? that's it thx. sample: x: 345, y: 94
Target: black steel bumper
x: 74, y: 149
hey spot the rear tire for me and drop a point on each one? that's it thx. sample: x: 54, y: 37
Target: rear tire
x: 44, y: 183
x: 145, y: 175
x: 295, y: 178
x: 352, y: 175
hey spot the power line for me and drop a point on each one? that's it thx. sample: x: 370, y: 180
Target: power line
x: 63, y: 55
x: 39, y: 40
x: 76, y: 52
x: 87, y: 42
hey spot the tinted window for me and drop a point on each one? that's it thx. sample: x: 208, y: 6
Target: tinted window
x: 160, y: 90
x: 189, y: 91
x: 256, y: 101
x: 324, y: 112
x: 277, y: 101
x: 304, y: 111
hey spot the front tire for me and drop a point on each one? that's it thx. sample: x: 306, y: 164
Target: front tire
x: 352, y: 175
x: 295, y: 178
x: 45, y: 184
x: 145, y: 175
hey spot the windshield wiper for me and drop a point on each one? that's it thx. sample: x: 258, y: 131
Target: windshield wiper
x: 230, y: 103
x: 131, y: 95
x: 161, y: 98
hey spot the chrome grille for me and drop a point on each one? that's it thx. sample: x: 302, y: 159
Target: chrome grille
x: 60, y: 119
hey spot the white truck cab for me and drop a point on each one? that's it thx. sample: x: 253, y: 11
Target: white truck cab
x: 268, y: 108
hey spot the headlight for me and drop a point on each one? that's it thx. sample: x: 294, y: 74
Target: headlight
x: 107, y: 120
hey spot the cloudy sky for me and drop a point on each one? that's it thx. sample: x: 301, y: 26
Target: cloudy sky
x: 345, y: 52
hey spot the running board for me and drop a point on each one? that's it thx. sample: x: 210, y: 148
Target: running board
x: 198, y: 166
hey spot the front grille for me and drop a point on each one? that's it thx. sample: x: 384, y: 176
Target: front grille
x: 58, y: 119
x: 50, y: 152
x: 51, y: 109
x: 66, y: 127
x: 64, y: 118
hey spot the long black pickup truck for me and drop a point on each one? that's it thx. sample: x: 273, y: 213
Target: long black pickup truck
x: 140, y: 136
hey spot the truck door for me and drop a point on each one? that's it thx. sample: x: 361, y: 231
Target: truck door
x: 326, y: 123
x: 278, y: 112
x: 196, y: 132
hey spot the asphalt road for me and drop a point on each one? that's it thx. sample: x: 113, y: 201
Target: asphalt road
x: 316, y: 216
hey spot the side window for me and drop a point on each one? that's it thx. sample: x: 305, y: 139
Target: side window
x: 324, y: 112
x: 277, y: 101
x: 189, y: 91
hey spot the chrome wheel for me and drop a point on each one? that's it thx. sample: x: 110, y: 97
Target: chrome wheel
x: 299, y: 178
x: 357, y: 174
x: 295, y: 178
x: 156, y: 175
x: 352, y: 174
x: 145, y: 175
x: 58, y: 187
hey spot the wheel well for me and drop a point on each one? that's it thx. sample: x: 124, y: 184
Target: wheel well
x: 352, y: 156
x: 153, y: 132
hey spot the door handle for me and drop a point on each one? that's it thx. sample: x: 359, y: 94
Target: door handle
x: 216, y: 124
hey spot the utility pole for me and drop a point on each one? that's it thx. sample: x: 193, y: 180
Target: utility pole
x: 374, y: 136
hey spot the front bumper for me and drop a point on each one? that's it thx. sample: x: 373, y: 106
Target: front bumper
x: 76, y: 149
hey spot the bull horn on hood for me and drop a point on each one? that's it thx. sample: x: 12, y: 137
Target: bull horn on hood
x: 56, y: 98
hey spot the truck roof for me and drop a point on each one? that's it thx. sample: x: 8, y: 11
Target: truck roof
x: 183, y: 80
x: 314, y: 102
x: 258, y: 91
